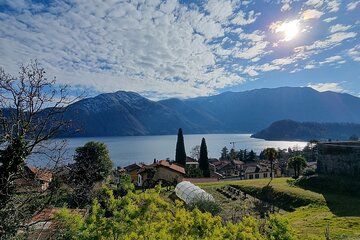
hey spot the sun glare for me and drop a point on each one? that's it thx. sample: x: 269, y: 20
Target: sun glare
x: 289, y: 29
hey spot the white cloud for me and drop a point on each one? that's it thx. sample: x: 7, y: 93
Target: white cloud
x: 354, y: 53
x: 330, y: 42
x: 153, y: 46
x: 333, y: 5
x: 323, y: 87
x: 219, y: 10
x: 310, y: 66
x: 286, y: 5
x: 332, y: 59
x: 311, y: 14
x: 243, y: 18
x: 352, y: 5
x: 330, y: 19
x: 339, y: 28
x: 315, y: 3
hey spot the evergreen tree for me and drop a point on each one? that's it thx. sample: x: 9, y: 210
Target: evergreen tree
x: 232, y: 154
x: 240, y: 155
x: 224, y: 153
x: 252, y: 156
x: 180, y: 155
x: 204, y: 161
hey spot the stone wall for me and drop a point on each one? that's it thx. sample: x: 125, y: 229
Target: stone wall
x: 339, y: 158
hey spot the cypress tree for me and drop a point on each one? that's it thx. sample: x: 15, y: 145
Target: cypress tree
x: 180, y: 154
x: 204, y: 161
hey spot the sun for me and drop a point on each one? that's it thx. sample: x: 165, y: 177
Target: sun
x: 289, y: 29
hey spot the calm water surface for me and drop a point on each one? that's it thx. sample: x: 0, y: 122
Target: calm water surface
x: 127, y: 150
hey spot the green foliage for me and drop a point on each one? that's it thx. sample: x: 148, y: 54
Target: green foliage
x: 284, y: 200
x: 92, y: 165
x: 193, y: 172
x: 224, y: 153
x: 148, y: 216
x: 123, y: 185
x: 308, y: 172
x: 205, y: 205
x: 297, y: 163
x: 180, y: 154
x: 92, y: 162
x: 232, y: 154
x: 204, y: 160
x: 271, y: 155
x: 278, y: 228
x: 12, y: 159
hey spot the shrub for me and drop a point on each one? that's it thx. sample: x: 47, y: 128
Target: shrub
x: 308, y: 172
x: 205, y: 205
x: 277, y: 227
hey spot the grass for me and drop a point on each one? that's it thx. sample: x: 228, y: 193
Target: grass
x: 319, y: 209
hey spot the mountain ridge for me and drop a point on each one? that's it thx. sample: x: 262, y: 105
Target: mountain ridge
x: 128, y: 113
x: 289, y: 130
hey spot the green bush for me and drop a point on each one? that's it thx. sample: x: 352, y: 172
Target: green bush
x: 286, y: 201
x: 308, y: 172
x: 205, y: 205
x: 278, y: 228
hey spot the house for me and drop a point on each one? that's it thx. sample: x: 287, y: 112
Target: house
x: 233, y: 168
x: 132, y: 170
x: 34, y: 179
x: 257, y: 171
x: 191, y: 163
x: 160, y: 171
x: 42, y: 224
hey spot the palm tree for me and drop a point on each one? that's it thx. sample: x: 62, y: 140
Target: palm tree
x: 297, y: 163
x: 271, y: 155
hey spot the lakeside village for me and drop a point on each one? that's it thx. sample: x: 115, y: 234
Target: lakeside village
x: 182, y: 179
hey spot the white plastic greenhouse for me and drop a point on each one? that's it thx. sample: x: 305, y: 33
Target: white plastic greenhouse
x: 188, y: 192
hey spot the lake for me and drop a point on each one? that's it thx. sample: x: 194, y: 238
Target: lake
x: 130, y: 149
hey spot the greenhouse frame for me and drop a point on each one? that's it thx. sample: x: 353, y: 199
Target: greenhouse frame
x: 188, y: 192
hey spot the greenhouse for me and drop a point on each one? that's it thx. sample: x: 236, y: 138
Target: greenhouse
x: 188, y: 192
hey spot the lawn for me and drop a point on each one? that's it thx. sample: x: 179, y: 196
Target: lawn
x: 324, y: 211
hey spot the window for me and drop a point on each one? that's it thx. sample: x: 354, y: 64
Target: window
x: 265, y: 175
x: 251, y: 176
x: 270, y: 174
x: 256, y: 175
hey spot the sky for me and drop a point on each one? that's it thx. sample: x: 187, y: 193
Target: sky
x: 185, y: 48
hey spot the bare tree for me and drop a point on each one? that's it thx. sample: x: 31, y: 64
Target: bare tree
x: 195, y: 152
x: 31, y: 114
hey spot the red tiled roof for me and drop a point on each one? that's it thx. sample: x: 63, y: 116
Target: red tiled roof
x: 48, y: 213
x: 174, y: 167
x: 163, y: 163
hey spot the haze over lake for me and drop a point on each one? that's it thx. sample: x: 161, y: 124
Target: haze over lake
x: 130, y: 149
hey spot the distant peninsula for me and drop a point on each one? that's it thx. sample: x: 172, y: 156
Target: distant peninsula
x: 289, y: 130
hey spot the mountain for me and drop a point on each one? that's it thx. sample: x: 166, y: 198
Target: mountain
x: 291, y: 130
x: 128, y: 113
x: 122, y: 114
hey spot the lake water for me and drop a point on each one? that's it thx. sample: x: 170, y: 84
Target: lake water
x: 126, y: 150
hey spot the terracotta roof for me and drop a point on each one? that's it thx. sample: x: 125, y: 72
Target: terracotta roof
x: 48, y: 214
x: 175, y: 167
x: 41, y: 174
x: 163, y: 163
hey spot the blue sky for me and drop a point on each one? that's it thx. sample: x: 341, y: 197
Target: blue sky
x: 186, y: 48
